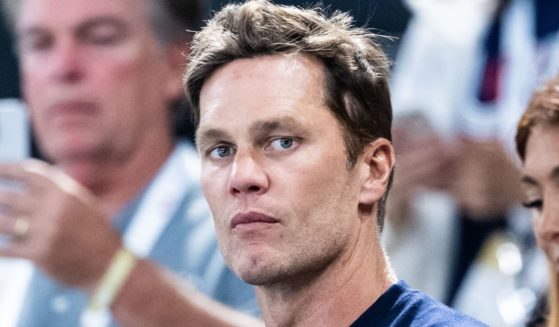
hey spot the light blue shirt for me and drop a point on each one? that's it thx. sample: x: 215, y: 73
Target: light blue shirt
x: 186, y: 246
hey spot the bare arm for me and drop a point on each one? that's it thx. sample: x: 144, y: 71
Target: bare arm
x: 154, y: 297
x: 68, y: 237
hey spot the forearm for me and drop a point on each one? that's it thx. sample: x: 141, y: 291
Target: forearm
x: 153, y: 297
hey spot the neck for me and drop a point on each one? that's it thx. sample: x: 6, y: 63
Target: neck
x: 336, y: 296
x: 117, y: 180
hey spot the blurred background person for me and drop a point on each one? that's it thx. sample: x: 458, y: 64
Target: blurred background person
x: 463, y: 74
x: 537, y: 143
x: 123, y: 202
x: 59, y: 304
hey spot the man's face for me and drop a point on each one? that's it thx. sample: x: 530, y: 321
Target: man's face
x: 94, y: 76
x: 274, y: 169
x: 541, y: 185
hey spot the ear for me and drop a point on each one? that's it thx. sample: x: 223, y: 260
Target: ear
x: 377, y: 161
x: 176, y: 64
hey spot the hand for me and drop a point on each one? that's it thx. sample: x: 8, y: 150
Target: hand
x: 62, y: 230
x: 487, y: 182
x: 423, y: 161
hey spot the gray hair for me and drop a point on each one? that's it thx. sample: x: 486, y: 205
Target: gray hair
x: 171, y: 19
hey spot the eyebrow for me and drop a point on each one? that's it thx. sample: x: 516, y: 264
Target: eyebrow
x: 258, y: 129
x: 270, y: 126
x: 554, y: 176
x: 81, y: 28
x: 205, y: 136
x: 529, y: 181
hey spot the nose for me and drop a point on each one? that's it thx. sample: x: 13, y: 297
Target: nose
x: 248, y: 176
x: 66, y: 62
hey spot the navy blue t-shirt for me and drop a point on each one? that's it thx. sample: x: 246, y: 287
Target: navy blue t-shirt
x: 401, y: 306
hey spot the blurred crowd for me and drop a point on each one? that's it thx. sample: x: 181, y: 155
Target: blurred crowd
x: 462, y: 77
x: 464, y: 74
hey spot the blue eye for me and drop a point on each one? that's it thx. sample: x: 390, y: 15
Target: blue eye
x: 221, y: 151
x: 283, y: 143
x: 286, y: 143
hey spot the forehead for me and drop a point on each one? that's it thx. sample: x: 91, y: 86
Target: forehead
x: 70, y: 13
x: 261, y: 86
x: 542, y: 151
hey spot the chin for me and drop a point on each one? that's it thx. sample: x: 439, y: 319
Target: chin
x: 258, y: 277
x: 255, y: 271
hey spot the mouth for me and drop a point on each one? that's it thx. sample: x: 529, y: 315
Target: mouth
x: 72, y: 109
x: 250, y: 218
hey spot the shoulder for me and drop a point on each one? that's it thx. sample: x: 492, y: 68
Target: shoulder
x: 421, y: 310
x: 402, y: 306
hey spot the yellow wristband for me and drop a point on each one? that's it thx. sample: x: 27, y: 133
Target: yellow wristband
x: 120, y: 268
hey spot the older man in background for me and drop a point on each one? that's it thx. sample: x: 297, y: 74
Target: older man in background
x: 123, y: 205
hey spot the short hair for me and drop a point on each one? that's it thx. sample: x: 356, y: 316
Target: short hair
x: 543, y: 109
x: 356, y: 68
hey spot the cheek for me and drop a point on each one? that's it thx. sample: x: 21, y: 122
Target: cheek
x: 539, y: 232
x: 123, y: 65
x: 33, y: 81
x: 322, y: 193
x: 213, y: 188
x: 207, y: 189
x: 132, y: 89
x: 121, y: 72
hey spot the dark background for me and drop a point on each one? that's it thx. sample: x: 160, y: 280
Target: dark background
x: 9, y: 80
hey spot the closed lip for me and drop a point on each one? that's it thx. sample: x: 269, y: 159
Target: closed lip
x: 250, y: 218
x: 72, y: 107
